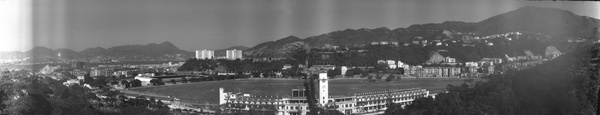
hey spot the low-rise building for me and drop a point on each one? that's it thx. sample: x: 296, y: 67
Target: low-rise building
x: 374, y: 102
x: 71, y: 82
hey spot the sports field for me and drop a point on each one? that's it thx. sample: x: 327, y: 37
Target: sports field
x: 207, y: 92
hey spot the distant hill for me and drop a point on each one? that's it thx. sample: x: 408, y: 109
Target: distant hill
x: 548, y: 21
x: 559, y: 24
x: 152, y: 51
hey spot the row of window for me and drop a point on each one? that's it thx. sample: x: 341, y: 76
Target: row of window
x: 384, y: 101
x: 393, y: 98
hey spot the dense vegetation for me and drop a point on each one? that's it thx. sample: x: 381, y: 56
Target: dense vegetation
x: 32, y: 95
x: 230, y: 65
x: 565, y: 85
x: 413, y: 55
x: 416, y: 55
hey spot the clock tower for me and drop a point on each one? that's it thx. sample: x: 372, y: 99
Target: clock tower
x: 323, y: 89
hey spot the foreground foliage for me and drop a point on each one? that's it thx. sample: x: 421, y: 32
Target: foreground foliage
x: 565, y: 85
x: 23, y: 94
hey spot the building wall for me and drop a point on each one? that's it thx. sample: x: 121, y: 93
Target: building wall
x: 370, y: 102
x: 207, y: 54
x: 233, y: 54
x: 323, y: 88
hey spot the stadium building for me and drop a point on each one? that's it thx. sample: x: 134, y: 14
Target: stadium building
x: 297, y: 104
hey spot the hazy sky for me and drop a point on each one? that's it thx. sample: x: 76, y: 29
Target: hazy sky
x: 217, y: 24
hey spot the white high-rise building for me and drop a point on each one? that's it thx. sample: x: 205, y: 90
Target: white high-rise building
x: 323, y: 89
x: 205, y: 54
x: 234, y: 54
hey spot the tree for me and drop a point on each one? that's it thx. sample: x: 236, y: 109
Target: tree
x: 100, y: 81
x: 136, y: 83
x: 390, y: 78
x: 125, y: 83
x: 379, y: 76
x: 381, y: 67
x: 87, y: 79
x: 334, y: 72
x: 114, y: 83
x: 256, y: 74
x: 364, y: 74
x: 155, y: 82
x: 184, y: 80
x: 309, y: 86
x: 173, y: 82
x: 31, y: 104
x: 350, y: 72
x: 194, y: 79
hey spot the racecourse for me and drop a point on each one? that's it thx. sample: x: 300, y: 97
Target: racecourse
x: 207, y: 92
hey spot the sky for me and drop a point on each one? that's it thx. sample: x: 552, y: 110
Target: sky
x: 219, y: 24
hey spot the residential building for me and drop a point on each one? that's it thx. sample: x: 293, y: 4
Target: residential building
x: 495, y: 60
x: 234, y: 54
x: 287, y: 66
x: 71, y: 82
x: 374, y: 102
x: 471, y: 64
x: 205, y: 54
x: 449, y: 60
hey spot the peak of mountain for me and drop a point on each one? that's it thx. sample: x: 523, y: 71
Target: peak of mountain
x: 448, y: 25
x: 289, y: 38
x: 94, y: 51
x: 39, y: 48
x: 41, y: 51
x: 165, y: 50
x: 237, y: 48
x: 167, y: 44
x: 550, y: 21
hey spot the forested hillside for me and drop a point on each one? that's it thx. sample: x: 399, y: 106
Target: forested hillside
x: 565, y: 85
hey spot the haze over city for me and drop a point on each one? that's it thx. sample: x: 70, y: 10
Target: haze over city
x: 218, y: 24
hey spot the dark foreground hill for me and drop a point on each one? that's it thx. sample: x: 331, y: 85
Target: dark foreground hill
x: 566, y: 85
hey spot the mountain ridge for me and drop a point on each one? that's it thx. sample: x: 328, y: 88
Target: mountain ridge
x: 551, y: 21
x: 556, y: 22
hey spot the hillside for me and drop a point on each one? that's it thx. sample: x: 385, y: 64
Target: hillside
x: 149, y: 52
x: 563, y: 86
x: 222, y: 52
x: 550, y: 21
x: 558, y: 24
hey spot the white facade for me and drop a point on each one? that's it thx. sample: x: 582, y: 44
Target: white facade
x: 205, y: 54
x: 323, y: 89
x: 450, y: 60
x: 374, y: 102
x: 222, y: 95
x: 344, y: 69
x: 145, y: 80
x: 234, y: 54
x: 471, y: 64
x: 400, y: 64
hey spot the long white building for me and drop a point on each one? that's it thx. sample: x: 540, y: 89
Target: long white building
x: 205, y: 54
x: 234, y: 54
x: 357, y: 103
